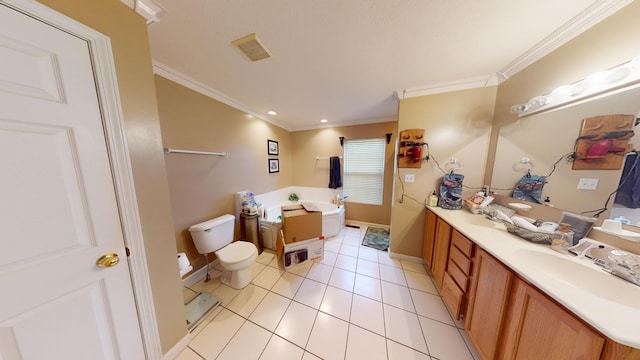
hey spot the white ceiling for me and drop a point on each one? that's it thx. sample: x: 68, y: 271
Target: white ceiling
x: 343, y: 59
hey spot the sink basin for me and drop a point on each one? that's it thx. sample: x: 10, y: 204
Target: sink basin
x: 582, y: 275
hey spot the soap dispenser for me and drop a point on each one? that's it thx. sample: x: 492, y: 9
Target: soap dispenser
x: 562, y: 239
x: 433, y: 199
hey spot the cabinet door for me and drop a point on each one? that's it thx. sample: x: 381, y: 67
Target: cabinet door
x: 490, y: 288
x: 429, y: 237
x: 441, y: 251
x: 452, y: 295
x: 615, y: 351
x: 538, y: 328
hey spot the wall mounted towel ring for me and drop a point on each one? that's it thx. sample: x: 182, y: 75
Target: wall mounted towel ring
x: 524, y: 165
x: 453, y: 165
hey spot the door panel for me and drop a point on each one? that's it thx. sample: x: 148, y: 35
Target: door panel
x: 58, y: 209
x: 51, y: 213
x: 37, y: 332
x: 29, y: 70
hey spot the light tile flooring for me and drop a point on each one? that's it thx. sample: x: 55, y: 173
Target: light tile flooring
x: 356, y: 303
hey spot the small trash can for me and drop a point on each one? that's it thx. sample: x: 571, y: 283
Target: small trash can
x: 250, y: 230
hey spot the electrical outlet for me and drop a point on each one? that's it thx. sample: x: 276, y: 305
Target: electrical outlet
x: 588, y: 184
x: 409, y: 178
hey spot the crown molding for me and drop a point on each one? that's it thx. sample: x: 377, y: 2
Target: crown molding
x: 449, y: 86
x: 147, y: 9
x: 592, y: 15
x: 346, y: 123
x: 190, y: 83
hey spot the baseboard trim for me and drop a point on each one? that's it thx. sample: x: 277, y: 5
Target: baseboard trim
x: 200, y: 274
x: 363, y: 224
x: 178, y: 348
x: 406, y: 258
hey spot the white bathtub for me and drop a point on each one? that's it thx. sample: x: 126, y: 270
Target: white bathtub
x: 332, y: 221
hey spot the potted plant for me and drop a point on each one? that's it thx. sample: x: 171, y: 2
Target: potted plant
x: 293, y: 197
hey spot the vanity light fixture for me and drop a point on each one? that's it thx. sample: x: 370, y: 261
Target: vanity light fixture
x: 324, y: 121
x: 594, y: 84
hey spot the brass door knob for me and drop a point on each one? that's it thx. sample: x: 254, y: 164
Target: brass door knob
x: 108, y: 260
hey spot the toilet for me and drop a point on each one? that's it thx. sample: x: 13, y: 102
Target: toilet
x: 236, y: 258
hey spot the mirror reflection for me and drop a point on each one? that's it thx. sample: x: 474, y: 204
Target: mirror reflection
x: 542, y: 145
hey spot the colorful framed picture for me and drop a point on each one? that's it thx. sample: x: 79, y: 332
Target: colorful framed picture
x: 272, y: 148
x: 274, y: 165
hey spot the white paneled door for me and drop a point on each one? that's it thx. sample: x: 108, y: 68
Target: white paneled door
x: 58, y: 208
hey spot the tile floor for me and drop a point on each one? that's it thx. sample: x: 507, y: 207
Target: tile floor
x: 356, y: 303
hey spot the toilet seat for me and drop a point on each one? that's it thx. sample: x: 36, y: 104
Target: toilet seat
x: 236, y: 252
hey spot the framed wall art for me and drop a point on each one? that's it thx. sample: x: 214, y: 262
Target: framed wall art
x: 272, y: 148
x: 274, y: 165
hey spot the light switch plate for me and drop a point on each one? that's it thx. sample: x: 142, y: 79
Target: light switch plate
x: 588, y: 184
x: 409, y: 178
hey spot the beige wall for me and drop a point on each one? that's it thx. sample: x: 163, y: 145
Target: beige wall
x: 310, y: 144
x: 457, y: 125
x: 204, y: 186
x: 128, y: 34
x: 610, y: 43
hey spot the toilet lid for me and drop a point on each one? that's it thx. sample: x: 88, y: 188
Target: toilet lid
x: 236, y: 252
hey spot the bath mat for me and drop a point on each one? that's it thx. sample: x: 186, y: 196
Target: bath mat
x: 377, y: 238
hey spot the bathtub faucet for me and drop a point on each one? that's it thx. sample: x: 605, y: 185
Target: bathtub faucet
x: 339, y: 201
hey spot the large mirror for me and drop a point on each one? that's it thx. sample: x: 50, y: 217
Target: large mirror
x: 545, y: 139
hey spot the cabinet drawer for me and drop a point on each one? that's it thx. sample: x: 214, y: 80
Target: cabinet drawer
x: 452, y: 295
x: 461, y: 242
x: 460, y: 259
x: 458, y: 276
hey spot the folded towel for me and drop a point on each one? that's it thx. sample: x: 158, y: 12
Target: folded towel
x: 335, y: 180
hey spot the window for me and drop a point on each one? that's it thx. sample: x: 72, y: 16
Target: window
x: 364, y: 170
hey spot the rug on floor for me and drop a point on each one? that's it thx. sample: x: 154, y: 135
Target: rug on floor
x: 377, y: 238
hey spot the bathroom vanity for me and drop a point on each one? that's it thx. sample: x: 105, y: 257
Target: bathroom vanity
x: 520, y: 300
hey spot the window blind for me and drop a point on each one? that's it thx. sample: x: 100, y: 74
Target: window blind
x: 364, y: 170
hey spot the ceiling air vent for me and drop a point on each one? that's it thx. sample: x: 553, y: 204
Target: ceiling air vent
x: 251, y: 46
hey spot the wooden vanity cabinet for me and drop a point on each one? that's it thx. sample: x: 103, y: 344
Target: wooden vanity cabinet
x: 505, y: 317
x: 429, y: 238
x: 488, y: 301
x: 435, y: 245
x: 441, y: 251
x: 538, y: 328
x: 448, y: 254
x: 458, y: 273
x: 614, y: 351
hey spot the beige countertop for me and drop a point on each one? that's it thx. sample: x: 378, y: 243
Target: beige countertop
x: 609, y: 304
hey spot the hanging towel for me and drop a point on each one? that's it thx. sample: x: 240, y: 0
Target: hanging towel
x: 530, y: 188
x: 629, y: 187
x: 335, y: 181
x: 451, y: 191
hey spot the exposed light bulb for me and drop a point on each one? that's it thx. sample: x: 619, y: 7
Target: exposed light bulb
x: 537, y: 102
x: 516, y: 109
x: 562, y: 91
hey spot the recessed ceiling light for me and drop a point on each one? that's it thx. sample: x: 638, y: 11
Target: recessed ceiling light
x: 324, y: 120
x: 272, y: 113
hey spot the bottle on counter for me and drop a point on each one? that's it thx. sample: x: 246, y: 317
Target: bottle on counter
x: 433, y: 199
x: 562, y: 239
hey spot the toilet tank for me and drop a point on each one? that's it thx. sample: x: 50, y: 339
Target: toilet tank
x: 212, y: 235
